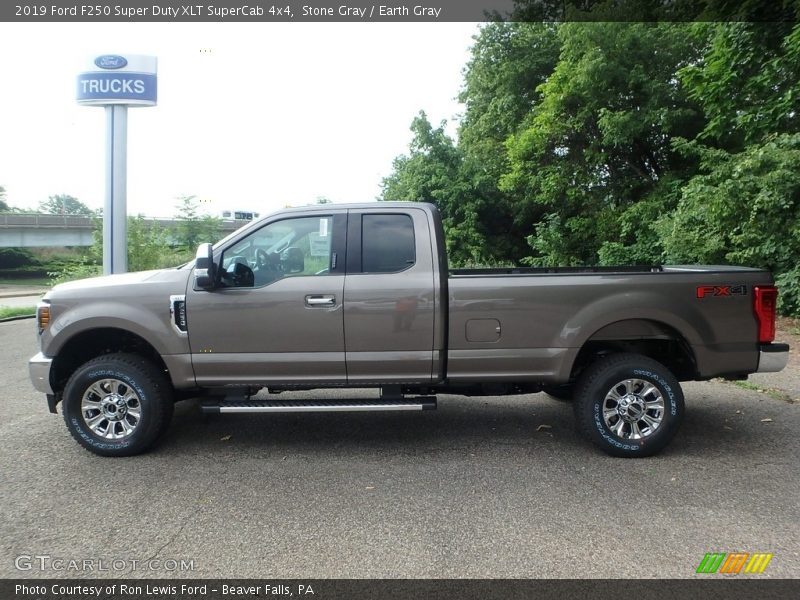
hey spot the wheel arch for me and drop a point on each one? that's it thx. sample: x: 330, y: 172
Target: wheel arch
x: 649, y: 337
x: 88, y: 344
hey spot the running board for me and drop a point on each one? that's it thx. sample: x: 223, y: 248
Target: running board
x: 296, y: 406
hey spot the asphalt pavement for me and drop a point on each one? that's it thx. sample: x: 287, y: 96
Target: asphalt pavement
x: 13, y: 296
x: 481, y: 488
x: 17, y: 301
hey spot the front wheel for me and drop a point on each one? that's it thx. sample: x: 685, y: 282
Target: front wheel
x: 628, y: 405
x: 117, y: 404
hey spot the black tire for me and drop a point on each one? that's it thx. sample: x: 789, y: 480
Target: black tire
x: 140, y: 389
x: 595, y: 404
x: 562, y: 393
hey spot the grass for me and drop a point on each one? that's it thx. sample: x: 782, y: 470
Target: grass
x: 27, y: 281
x: 771, y: 392
x: 16, y: 311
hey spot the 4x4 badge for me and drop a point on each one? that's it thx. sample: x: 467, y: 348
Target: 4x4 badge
x: 706, y: 291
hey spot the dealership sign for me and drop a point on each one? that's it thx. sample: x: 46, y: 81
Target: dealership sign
x: 114, y: 79
x: 115, y: 82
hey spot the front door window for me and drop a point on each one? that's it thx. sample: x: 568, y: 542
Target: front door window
x: 287, y: 248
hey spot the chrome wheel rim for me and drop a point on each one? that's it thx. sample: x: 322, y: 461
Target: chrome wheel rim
x: 111, y: 409
x: 633, y: 409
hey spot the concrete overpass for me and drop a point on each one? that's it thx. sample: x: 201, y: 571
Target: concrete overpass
x: 19, y: 230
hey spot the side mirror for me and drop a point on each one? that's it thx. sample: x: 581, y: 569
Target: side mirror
x: 204, y: 267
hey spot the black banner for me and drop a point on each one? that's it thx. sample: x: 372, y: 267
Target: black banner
x: 732, y: 588
x: 396, y: 10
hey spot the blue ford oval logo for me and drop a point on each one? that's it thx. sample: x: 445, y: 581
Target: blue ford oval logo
x: 110, y: 61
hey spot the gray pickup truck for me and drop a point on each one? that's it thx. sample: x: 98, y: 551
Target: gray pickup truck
x: 361, y: 296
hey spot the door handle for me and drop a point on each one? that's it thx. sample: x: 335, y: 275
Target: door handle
x: 314, y: 301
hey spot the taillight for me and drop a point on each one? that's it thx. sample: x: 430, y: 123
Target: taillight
x: 765, y: 305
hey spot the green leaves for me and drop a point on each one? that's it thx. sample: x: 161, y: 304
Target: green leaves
x: 747, y: 81
x: 434, y: 172
x: 64, y: 204
x: 743, y: 209
x: 598, y: 142
x: 622, y: 143
x: 194, y: 229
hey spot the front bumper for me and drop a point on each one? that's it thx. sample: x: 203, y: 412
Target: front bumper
x: 772, y: 358
x: 39, y: 368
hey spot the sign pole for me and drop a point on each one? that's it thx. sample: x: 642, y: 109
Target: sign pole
x: 115, y: 221
x: 117, y: 82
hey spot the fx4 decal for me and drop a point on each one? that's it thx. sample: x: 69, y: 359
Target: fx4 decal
x: 707, y: 291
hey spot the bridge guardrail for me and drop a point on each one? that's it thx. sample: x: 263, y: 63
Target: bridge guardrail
x: 77, y: 222
x: 38, y: 220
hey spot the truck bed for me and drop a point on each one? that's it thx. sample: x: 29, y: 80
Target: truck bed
x: 528, y: 323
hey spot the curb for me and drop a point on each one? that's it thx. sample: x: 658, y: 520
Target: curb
x: 17, y: 318
x: 21, y: 294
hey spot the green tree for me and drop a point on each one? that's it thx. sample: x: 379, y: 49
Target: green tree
x: 14, y: 258
x: 598, y: 142
x: 747, y: 81
x: 509, y: 61
x: 744, y: 209
x: 194, y: 229
x: 431, y: 172
x: 64, y: 204
x: 149, y: 246
x: 508, y: 64
x: 745, y: 205
x: 622, y: 142
x: 484, y: 225
x: 4, y: 206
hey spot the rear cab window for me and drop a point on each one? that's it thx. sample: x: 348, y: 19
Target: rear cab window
x: 387, y: 243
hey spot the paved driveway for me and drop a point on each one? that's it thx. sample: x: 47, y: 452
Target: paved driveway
x: 483, y: 487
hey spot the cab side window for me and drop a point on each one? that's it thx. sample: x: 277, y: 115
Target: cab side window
x: 287, y: 248
x: 387, y: 243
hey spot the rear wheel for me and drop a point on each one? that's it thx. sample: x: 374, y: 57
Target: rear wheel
x: 117, y: 404
x: 628, y: 405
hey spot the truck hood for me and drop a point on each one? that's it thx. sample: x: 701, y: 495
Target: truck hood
x: 128, y: 285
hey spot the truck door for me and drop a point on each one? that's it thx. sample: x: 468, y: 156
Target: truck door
x: 389, y: 297
x: 276, y: 314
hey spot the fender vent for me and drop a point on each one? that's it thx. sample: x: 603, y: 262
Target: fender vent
x: 177, y: 311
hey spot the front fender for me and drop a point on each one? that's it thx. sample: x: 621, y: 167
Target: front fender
x: 148, y: 321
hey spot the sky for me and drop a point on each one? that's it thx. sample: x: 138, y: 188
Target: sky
x: 252, y: 116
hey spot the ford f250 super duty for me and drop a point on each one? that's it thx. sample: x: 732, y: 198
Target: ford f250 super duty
x: 361, y: 296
